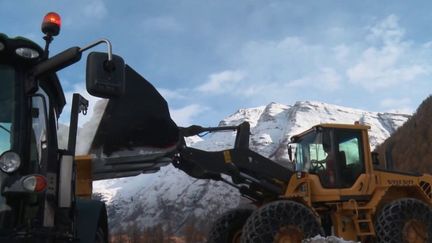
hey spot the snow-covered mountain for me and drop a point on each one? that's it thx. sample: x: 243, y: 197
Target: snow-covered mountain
x: 175, y: 201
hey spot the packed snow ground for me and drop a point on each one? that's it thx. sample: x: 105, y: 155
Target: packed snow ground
x: 329, y: 239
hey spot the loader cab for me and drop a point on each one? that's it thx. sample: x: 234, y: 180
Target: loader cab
x: 29, y: 108
x: 332, y: 152
x: 36, y: 184
x: 37, y: 178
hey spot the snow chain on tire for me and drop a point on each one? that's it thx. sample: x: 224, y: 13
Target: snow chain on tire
x: 227, y: 228
x: 279, y: 219
x: 393, y: 219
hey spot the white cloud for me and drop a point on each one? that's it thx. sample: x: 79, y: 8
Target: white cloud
x: 184, y: 116
x: 222, y: 81
x: 171, y: 94
x: 383, y: 68
x: 386, y: 31
x: 273, y: 70
x: 341, y: 52
x: 327, y: 79
x: 273, y: 57
x: 162, y: 23
x: 254, y: 90
x: 95, y: 9
x: 273, y: 67
x: 294, y: 67
x: 401, y: 105
x: 86, y: 14
x: 389, y: 62
x: 427, y: 45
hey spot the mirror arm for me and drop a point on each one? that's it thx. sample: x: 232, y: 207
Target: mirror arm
x: 58, y: 62
x: 290, y: 152
x: 97, y: 43
x: 67, y: 58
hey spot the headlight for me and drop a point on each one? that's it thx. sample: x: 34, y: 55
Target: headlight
x: 9, y: 162
x: 2, y: 46
x: 27, y: 53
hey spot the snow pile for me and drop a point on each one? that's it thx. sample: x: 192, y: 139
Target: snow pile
x: 329, y: 239
x: 88, y: 130
x: 86, y: 133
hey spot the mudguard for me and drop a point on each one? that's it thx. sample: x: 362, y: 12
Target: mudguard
x: 91, y: 215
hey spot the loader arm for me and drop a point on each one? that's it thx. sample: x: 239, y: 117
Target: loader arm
x: 256, y: 176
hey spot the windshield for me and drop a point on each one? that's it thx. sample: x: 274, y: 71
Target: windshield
x: 309, y: 149
x: 7, y: 105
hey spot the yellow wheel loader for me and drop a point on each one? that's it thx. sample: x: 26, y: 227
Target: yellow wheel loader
x: 335, y: 189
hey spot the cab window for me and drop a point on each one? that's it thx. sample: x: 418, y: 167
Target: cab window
x: 350, y: 156
x: 317, y: 152
x: 39, y: 124
x: 7, y: 107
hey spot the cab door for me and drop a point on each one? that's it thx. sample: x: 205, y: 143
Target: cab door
x: 136, y: 133
x: 338, y: 157
x: 349, y: 153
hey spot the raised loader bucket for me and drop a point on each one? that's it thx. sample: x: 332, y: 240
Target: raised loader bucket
x: 136, y: 133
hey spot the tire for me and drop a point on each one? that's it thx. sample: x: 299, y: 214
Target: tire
x: 404, y: 220
x: 228, y: 227
x: 281, y: 221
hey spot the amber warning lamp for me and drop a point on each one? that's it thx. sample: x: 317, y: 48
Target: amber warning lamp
x: 51, y: 24
x: 50, y: 27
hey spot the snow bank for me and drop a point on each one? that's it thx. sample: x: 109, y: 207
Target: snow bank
x: 87, y: 132
x: 329, y: 239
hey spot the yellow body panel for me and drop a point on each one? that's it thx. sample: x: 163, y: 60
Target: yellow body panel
x: 84, y: 186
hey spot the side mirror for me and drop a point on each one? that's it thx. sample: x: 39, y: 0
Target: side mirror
x: 290, y: 153
x: 105, y: 79
x: 375, y: 158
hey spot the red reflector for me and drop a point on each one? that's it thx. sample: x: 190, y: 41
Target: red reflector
x: 41, y: 183
x: 53, y: 18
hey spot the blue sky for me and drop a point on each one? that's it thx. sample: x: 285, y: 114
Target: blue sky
x: 210, y: 58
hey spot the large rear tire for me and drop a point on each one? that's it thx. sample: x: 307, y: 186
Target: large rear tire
x: 228, y: 227
x: 281, y: 221
x: 404, y: 220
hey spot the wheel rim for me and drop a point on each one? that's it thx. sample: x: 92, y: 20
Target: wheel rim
x: 414, y: 231
x: 237, y: 237
x: 289, y: 234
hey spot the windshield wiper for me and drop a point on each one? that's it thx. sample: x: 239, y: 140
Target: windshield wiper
x: 4, y: 128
